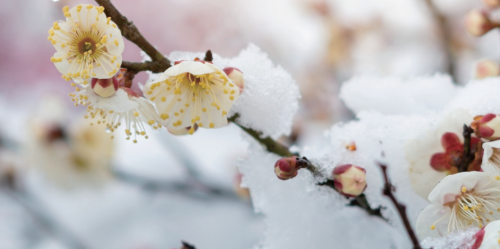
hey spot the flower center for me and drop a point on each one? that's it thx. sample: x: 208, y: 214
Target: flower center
x: 88, y: 45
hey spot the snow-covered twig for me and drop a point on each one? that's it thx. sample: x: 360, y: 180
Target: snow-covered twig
x: 387, y: 191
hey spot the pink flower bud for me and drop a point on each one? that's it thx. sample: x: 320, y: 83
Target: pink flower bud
x: 237, y: 76
x: 486, y: 68
x: 349, y: 180
x: 183, y: 131
x: 492, y: 3
x: 286, y: 168
x: 487, y: 126
x: 477, y: 23
x: 104, y: 87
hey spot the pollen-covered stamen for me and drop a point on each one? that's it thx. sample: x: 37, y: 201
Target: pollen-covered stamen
x: 474, y: 207
x: 82, y: 44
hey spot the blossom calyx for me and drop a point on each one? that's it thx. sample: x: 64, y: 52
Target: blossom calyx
x: 487, y: 126
x: 486, y: 68
x: 349, y: 180
x: 488, y: 236
x: 104, y: 87
x: 236, y: 76
x: 477, y: 23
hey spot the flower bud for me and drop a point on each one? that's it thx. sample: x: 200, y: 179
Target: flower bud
x: 492, y: 3
x: 237, y: 76
x: 104, y: 87
x: 477, y: 23
x: 487, y: 126
x: 183, y: 131
x: 486, y: 68
x: 349, y: 180
x: 286, y: 168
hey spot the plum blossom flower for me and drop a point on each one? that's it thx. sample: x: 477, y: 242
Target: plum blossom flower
x: 88, y: 44
x: 192, y: 92
x: 488, y: 237
x: 349, y: 180
x: 491, y: 157
x: 487, y: 126
x: 125, y: 105
x: 459, y: 201
x: 439, y: 152
x: 69, y: 157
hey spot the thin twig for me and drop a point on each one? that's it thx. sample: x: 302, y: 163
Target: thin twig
x: 387, y: 191
x: 467, y: 157
x: 185, y: 245
x: 359, y: 201
x: 43, y: 218
x: 129, y: 30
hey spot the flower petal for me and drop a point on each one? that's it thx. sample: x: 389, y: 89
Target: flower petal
x: 452, y: 185
x: 428, y: 217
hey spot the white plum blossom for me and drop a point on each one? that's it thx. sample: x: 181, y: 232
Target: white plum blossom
x: 88, y: 44
x: 459, y: 201
x: 192, y: 92
x: 125, y: 107
x: 491, y: 157
x: 68, y: 157
x: 489, y: 237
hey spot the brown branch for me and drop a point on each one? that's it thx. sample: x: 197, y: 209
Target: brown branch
x: 466, y: 157
x: 445, y: 36
x: 187, y: 246
x: 129, y: 30
x: 388, y: 188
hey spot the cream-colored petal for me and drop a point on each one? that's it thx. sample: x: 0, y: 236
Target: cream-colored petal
x: 63, y: 67
x: 193, y: 67
x: 428, y: 217
x: 114, y: 33
x: 491, y: 236
x: 120, y: 102
x: 452, y: 186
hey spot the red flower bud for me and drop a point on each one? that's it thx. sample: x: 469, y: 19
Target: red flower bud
x: 286, y: 168
x: 237, y: 76
x: 487, y: 126
x: 349, y: 180
x: 477, y: 23
x: 104, y: 87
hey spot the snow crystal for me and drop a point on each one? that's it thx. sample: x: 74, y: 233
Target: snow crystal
x: 270, y: 98
x: 394, y: 95
x: 456, y: 239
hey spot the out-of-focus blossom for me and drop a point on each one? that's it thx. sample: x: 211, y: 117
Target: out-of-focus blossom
x: 183, y: 131
x: 487, y: 126
x: 477, y: 23
x: 126, y: 107
x: 458, y: 201
x: 439, y: 152
x: 286, y: 168
x: 69, y: 157
x: 192, y: 92
x: 349, y: 180
x: 488, y: 237
x: 491, y: 157
x: 88, y: 44
x: 237, y: 76
x: 492, y: 3
x: 486, y: 68
x: 351, y: 146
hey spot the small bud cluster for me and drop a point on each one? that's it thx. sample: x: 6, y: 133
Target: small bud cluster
x: 287, y: 168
